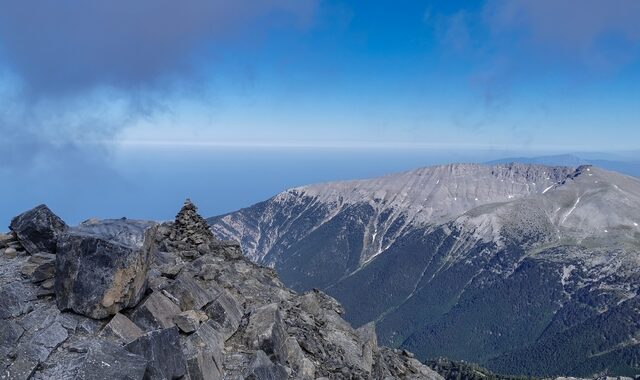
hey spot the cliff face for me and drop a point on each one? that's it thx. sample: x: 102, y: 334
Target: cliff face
x: 123, y: 299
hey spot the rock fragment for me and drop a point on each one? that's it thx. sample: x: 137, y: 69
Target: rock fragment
x: 156, y: 311
x: 191, y: 295
x: 40, y: 267
x: 265, y: 330
x: 162, y: 350
x: 188, y: 321
x: 121, y: 329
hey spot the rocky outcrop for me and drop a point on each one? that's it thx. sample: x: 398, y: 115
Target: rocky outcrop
x: 177, y: 304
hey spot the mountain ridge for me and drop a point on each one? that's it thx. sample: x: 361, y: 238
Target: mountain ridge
x: 574, y: 234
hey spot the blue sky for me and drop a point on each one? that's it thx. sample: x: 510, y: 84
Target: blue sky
x: 126, y: 108
x: 547, y: 74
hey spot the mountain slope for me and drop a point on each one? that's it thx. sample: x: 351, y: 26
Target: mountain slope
x: 471, y: 262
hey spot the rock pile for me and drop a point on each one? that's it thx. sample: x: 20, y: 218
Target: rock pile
x: 182, y: 305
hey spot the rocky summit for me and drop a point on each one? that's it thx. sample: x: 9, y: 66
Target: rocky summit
x: 126, y: 299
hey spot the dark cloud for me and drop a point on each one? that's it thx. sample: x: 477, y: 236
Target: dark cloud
x: 69, y: 45
x: 74, y: 73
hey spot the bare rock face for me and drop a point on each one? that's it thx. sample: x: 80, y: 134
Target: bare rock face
x: 97, y: 277
x: 38, y: 229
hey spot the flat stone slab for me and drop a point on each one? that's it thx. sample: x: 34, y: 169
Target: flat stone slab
x: 107, y: 361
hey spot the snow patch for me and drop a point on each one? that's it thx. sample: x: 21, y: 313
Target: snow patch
x: 572, y: 209
x: 547, y: 189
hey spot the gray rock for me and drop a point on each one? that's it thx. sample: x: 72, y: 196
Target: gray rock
x: 265, y: 330
x: 52, y: 336
x: 191, y: 295
x: 188, y: 321
x: 10, y: 332
x: 38, y: 229
x: 14, y: 298
x: 40, y: 266
x: 107, y: 361
x: 264, y: 369
x: 226, y: 312
x: 98, y: 278
x: 291, y: 355
x: 155, y: 312
x: 201, y: 364
x: 10, y: 253
x: 162, y: 350
x: 122, y: 329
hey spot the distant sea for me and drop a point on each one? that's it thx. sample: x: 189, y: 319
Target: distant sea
x: 151, y: 182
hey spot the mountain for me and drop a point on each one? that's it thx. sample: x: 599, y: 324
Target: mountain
x: 626, y: 165
x: 126, y: 299
x: 524, y: 268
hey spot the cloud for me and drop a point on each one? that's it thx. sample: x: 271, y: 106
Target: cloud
x: 74, y: 72
x: 568, y: 25
x: 70, y: 45
x: 510, y: 43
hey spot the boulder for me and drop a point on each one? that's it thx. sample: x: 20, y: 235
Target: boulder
x: 121, y: 329
x: 38, y: 229
x: 97, y: 277
x: 162, y: 350
x: 107, y: 361
x: 266, y: 330
x: 155, y: 312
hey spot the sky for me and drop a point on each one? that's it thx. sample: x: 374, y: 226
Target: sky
x: 82, y: 80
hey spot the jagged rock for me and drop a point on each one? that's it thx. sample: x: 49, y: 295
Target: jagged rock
x: 156, y: 311
x: 264, y: 369
x: 122, y: 329
x: 226, y: 313
x: 97, y: 277
x: 367, y: 334
x: 162, y: 350
x: 188, y: 321
x: 38, y: 229
x: 206, y: 338
x: 40, y: 266
x: 190, y: 294
x: 292, y: 356
x: 265, y: 330
x: 200, y: 362
x: 107, y: 361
